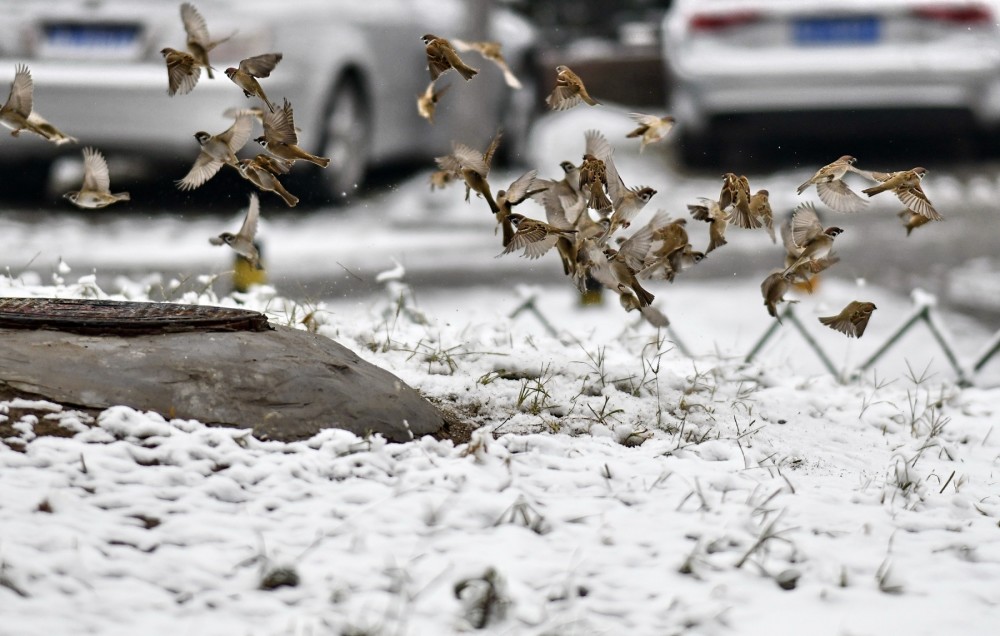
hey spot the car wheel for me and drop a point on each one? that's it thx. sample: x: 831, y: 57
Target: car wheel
x: 346, y: 136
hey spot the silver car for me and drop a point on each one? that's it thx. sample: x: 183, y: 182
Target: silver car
x: 781, y: 63
x: 352, y: 71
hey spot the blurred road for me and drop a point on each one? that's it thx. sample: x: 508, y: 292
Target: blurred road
x: 445, y: 242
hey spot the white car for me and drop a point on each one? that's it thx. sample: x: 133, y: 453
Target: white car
x: 787, y: 64
x: 351, y: 69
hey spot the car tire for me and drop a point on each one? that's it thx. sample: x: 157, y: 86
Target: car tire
x: 346, y: 139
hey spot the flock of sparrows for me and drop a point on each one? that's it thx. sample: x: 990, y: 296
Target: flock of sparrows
x: 590, y: 203
x: 280, y: 138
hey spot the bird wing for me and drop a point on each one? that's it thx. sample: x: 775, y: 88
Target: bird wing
x: 805, y: 224
x: 645, y: 120
x: 195, y: 26
x: 21, y: 92
x: 205, y: 167
x: 839, y: 196
x: 914, y: 198
x: 182, y: 74
x: 518, y: 190
x: 95, y: 172
x: 279, y: 126
x: 249, y: 228
x: 598, y: 145
x: 636, y: 247
x: 469, y: 159
x: 260, y: 65
x: 563, y: 98
x: 492, y: 150
x: 237, y: 135
x: 437, y: 62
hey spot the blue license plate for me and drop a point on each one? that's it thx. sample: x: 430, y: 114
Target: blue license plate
x: 833, y: 31
x: 91, y: 36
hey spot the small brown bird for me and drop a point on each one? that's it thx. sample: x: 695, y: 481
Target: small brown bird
x: 243, y: 241
x: 774, y: 288
x: 831, y: 187
x: 472, y: 167
x: 441, y: 57
x: 254, y: 171
x: 491, y: 51
x: 183, y: 71
x: 912, y: 220
x: 735, y: 194
x: 711, y: 212
x: 517, y: 193
x: 671, y: 252
x: 96, y: 190
x: 593, y: 181
x: 569, y: 91
x: 441, y: 179
x: 280, y: 139
x: 217, y: 150
x: 427, y: 103
x: 533, y: 236
x: 652, y: 315
x: 258, y: 66
x: 906, y: 186
x: 852, y: 320
x: 804, y: 274
x: 627, y: 202
x: 809, y: 236
x: 631, y: 257
x: 18, y: 114
x: 651, y: 128
x: 760, y: 209
x: 199, y: 44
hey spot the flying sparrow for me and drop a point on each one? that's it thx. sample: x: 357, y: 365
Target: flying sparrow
x: 760, y: 209
x: 96, y: 190
x: 427, y: 103
x: 711, y: 212
x: 243, y: 241
x: 441, y: 56
x: 627, y: 202
x: 491, y: 51
x: 593, y: 181
x: 255, y: 171
x: 852, y: 320
x: 809, y: 236
x: 652, y: 315
x: 182, y: 71
x: 533, y: 236
x: 831, y: 187
x: 912, y: 220
x: 17, y: 113
x: 651, y: 128
x: 735, y: 194
x: 280, y: 139
x: 804, y: 272
x: 773, y: 289
x: 667, y: 255
x: 517, y: 193
x: 619, y: 271
x: 441, y: 179
x: 567, y: 188
x: 217, y: 150
x: 472, y: 167
x: 906, y: 186
x: 258, y: 66
x: 569, y: 91
x: 199, y: 44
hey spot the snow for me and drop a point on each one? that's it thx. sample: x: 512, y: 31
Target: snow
x: 615, y: 484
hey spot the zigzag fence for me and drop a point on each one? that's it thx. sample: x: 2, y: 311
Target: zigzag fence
x: 924, y: 312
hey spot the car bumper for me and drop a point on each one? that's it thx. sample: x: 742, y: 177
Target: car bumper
x: 709, y: 89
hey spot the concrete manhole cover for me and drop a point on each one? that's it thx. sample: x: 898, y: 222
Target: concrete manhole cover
x: 123, y: 318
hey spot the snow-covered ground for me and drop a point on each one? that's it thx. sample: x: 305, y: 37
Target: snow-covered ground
x: 616, y: 483
x: 615, y: 486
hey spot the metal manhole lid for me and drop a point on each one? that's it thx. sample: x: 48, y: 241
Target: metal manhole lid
x: 123, y: 318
